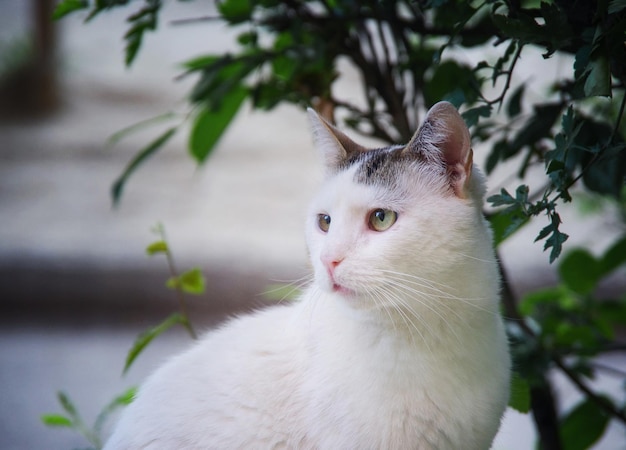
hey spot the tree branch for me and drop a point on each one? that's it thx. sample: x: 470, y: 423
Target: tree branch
x: 605, y: 405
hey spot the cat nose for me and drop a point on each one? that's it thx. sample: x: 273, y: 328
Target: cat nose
x: 331, y: 262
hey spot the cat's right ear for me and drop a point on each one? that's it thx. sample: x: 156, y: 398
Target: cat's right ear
x: 444, y: 138
x: 334, y: 146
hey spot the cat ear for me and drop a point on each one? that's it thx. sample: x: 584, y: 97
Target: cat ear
x: 444, y: 138
x: 334, y: 145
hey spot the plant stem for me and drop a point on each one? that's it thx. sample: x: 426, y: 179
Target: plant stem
x: 543, y: 406
x: 509, y: 76
x: 605, y: 405
x: 542, y: 402
x: 542, y: 397
x: 179, y: 291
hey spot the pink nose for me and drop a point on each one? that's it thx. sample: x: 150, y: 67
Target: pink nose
x: 331, y: 262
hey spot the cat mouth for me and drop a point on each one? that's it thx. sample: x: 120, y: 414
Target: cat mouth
x: 341, y: 289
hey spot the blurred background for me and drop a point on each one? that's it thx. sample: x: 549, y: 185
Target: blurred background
x: 76, y: 285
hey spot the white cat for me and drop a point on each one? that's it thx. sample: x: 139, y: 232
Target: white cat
x: 397, y: 344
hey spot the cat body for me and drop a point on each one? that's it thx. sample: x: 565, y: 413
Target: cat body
x: 398, y: 343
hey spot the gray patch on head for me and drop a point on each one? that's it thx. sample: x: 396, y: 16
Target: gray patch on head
x: 381, y: 166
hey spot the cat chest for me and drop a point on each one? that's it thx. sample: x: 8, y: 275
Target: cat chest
x: 384, y: 398
x: 371, y: 412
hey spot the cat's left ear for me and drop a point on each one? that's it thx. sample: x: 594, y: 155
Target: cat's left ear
x: 334, y: 145
x: 444, y: 136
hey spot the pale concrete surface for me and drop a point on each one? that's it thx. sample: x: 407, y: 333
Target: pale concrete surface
x: 75, y: 282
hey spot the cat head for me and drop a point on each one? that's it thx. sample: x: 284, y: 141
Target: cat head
x: 400, y: 220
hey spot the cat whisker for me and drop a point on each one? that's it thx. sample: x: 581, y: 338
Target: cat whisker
x: 314, y: 293
x: 416, y: 277
x: 428, y: 290
x: 286, y: 290
x: 474, y: 258
x: 379, y: 300
x: 442, y: 294
x: 424, y: 301
x: 390, y: 300
x: 383, y: 299
x: 421, y: 282
x: 469, y: 301
x: 395, y: 290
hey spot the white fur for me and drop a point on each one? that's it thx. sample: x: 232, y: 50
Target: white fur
x: 412, y: 354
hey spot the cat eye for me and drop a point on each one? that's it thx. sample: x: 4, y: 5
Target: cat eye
x: 323, y: 221
x: 382, y: 219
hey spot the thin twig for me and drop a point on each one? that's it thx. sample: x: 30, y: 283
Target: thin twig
x: 191, y: 20
x: 509, y: 77
x: 512, y: 313
x: 605, y: 405
x: 608, y: 369
x: 179, y: 291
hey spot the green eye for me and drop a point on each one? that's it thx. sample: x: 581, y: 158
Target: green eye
x: 323, y: 221
x: 382, y: 219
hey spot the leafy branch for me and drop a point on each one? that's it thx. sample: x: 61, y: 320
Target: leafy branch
x: 189, y: 282
x: 71, y: 418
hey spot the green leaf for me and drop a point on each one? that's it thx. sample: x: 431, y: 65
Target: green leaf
x: 613, y: 312
x: 506, y: 223
x: 147, y: 336
x: 143, y: 20
x: 501, y: 199
x: 67, y: 405
x: 200, y: 62
x: 56, y: 420
x: 471, y: 116
x: 555, y: 241
x: 538, y: 126
x: 498, y: 67
x: 555, y: 237
x: 554, y: 33
x: 66, y: 7
x: 145, y: 153
x: 235, y: 11
x: 285, y: 63
x: 580, y: 271
x: 614, y: 257
x: 583, y: 425
x: 498, y: 152
x: 598, y: 82
x: 209, y: 124
x: 556, y: 159
x: 520, y: 394
x: 448, y: 77
x: 191, y: 282
x: 157, y: 247
x: 607, y: 174
x: 119, y: 135
x: 616, y: 6
x: 534, y: 300
x: 514, y: 106
x: 104, y: 5
x: 220, y: 77
x: 456, y: 97
x: 248, y: 38
x: 126, y: 398
x: 120, y: 401
x: 568, y: 336
x: 523, y: 27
